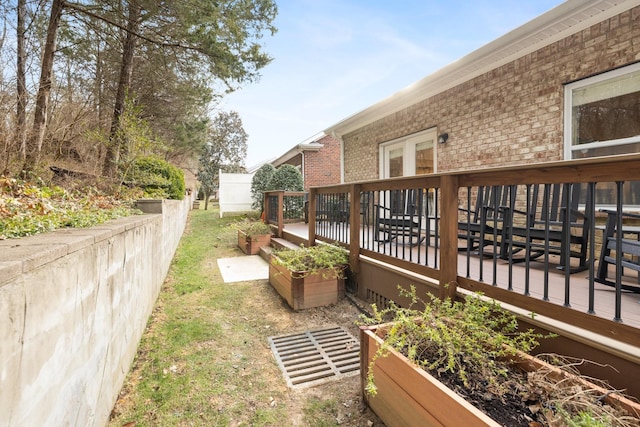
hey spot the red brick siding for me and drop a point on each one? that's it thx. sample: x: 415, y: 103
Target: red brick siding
x: 508, y: 116
x: 294, y: 161
x: 322, y: 167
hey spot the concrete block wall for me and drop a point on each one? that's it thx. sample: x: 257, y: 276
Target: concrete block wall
x: 73, y: 306
x: 511, y: 115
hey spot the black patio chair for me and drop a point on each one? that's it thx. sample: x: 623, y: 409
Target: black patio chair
x: 629, y: 250
x: 332, y: 209
x: 552, y: 225
x: 399, y: 215
x: 483, y: 225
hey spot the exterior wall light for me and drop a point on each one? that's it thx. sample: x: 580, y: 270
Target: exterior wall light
x: 442, y: 138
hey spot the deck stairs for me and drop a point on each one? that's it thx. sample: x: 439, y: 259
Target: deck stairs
x: 276, y: 243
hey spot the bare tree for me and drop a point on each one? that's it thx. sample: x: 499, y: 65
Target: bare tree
x: 21, y: 81
x: 115, y: 145
x: 194, y: 46
x: 34, y: 145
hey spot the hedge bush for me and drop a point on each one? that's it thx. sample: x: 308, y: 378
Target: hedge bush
x: 157, y: 177
x: 259, y: 184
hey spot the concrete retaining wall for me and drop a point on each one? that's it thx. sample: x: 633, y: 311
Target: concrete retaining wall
x: 73, y: 307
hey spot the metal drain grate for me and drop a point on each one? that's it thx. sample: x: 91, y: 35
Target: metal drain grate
x: 314, y: 357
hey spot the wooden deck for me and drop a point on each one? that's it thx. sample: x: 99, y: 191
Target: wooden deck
x: 536, y: 281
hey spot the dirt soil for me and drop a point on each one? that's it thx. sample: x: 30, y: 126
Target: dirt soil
x: 351, y: 409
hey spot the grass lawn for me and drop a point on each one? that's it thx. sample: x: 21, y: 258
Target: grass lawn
x: 204, y: 359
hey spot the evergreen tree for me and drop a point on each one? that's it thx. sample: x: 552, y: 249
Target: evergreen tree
x: 259, y: 185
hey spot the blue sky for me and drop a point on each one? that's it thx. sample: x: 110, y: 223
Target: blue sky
x: 334, y: 58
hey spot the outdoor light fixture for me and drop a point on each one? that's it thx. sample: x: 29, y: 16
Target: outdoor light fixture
x: 442, y: 138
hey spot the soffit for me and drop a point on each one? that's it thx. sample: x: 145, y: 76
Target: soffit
x: 309, y: 144
x: 560, y: 22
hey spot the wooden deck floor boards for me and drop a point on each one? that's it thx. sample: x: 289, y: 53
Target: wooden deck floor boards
x: 604, y: 296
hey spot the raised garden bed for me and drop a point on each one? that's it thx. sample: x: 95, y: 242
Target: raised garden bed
x: 302, y: 291
x: 464, y: 369
x: 253, y: 235
x: 408, y: 395
x: 309, y: 277
x: 251, y: 244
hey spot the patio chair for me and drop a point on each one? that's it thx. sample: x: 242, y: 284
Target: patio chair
x: 399, y: 214
x: 332, y: 209
x: 483, y: 225
x: 552, y: 225
x: 629, y: 250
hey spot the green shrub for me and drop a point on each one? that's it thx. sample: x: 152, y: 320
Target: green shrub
x: 310, y: 259
x: 253, y: 228
x: 287, y: 178
x: 158, y: 178
x: 259, y: 184
x: 469, y: 339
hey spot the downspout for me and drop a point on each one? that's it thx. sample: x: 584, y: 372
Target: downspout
x: 304, y: 171
x: 339, y: 138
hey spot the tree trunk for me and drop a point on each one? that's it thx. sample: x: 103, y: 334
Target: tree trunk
x: 8, y: 146
x: 21, y: 90
x: 34, y: 142
x: 116, y: 146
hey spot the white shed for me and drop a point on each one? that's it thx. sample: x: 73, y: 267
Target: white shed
x: 235, y: 193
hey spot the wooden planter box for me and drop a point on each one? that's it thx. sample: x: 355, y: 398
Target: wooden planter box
x: 408, y: 396
x: 251, y: 245
x: 306, y: 291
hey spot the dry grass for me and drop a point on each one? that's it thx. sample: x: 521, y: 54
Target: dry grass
x: 205, y: 359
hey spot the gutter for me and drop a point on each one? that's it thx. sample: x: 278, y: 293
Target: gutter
x: 307, y: 145
x: 558, y: 23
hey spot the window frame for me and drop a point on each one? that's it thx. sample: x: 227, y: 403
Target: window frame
x: 569, y: 89
x: 408, y: 144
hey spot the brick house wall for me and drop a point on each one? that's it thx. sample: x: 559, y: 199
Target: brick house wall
x: 508, y: 116
x: 295, y: 161
x: 319, y: 167
x: 322, y: 167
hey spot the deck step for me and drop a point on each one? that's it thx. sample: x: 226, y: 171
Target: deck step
x: 276, y: 244
x: 265, y: 253
x: 279, y: 243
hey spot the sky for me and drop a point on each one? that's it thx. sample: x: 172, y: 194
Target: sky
x: 334, y: 58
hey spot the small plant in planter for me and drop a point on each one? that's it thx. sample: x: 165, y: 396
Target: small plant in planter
x: 309, y: 276
x: 465, y: 363
x: 252, y: 235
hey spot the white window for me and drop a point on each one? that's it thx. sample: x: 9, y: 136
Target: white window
x: 602, y: 114
x: 602, y: 118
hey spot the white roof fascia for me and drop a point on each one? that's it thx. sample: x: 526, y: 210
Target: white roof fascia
x: 308, y: 144
x: 254, y: 168
x: 560, y: 22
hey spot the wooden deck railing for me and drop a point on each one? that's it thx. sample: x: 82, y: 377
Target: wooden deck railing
x: 419, y: 223
x: 283, y: 207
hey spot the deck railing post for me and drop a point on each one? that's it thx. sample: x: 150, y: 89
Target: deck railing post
x: 312, y: 216
x: 280, y: 212
x: 448, y: 236
x: 265, y: 207
x: 354, y: 230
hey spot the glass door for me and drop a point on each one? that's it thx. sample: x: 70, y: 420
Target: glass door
x: 414, y: 155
